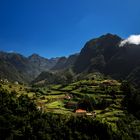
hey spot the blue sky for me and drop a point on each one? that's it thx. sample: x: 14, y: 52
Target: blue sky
x: 61, y: 27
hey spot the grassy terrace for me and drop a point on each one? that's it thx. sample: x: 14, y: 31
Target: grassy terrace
x: 58, y: 98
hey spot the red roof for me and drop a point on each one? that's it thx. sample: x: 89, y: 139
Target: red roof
x: 80, y: 111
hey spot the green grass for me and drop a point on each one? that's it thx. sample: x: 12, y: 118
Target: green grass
x: 53, y: 92
x: 55, y: 104
x: 59, y: 111
x: 54, y: 96
x: 53, y: 99
x: 55, y: 87
x: 68, y: 88
x: 110, y: 114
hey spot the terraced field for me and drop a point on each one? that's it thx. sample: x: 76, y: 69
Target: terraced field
x: 101, y: 97
x: 66, y: 98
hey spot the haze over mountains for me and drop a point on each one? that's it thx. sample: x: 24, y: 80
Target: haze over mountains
x: 16, y: 67
x: 103, y: 54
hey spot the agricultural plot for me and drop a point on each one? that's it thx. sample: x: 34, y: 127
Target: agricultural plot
x: 104, y: 96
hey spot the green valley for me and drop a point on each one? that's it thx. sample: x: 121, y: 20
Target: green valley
x: 99, y: 101
x: 93, y: 94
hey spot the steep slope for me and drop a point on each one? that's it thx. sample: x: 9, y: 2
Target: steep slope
x: 134, y: 76
x: 71, y: 60
x: 96, y: 53
x: 60, y: 64
x: 49, y: 78
x: 16, y: 67
x: 124, y: 61
x: 104, y: 55
x: 40, y: 64
x: 65, y: 63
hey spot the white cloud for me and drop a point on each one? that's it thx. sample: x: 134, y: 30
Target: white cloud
x: 132, y: 39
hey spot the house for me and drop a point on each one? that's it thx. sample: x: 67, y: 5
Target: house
x: 68, y: 96
x: 5, y: 81
x: 91, y: 114
x: 80, y: 112
x: 16, y: 83
x: 40, y: 106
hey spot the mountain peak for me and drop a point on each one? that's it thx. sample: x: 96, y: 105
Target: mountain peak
x: 103, y: 48
x: 34, y: 55
x: 110, y: 36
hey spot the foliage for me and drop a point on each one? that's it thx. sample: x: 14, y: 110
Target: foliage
x: 20, y: 118
x: 132, y: 102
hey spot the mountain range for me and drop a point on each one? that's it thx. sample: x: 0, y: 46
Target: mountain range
x: 16, y: 67
x: 103, y: 54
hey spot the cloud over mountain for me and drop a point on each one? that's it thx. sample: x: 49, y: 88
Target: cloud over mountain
x: 132, y: 39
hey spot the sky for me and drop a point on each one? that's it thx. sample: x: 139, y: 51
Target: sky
x: 53, y: 28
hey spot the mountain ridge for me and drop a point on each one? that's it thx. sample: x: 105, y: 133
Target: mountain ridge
x: 16, y: 67
x: 102, y: 54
